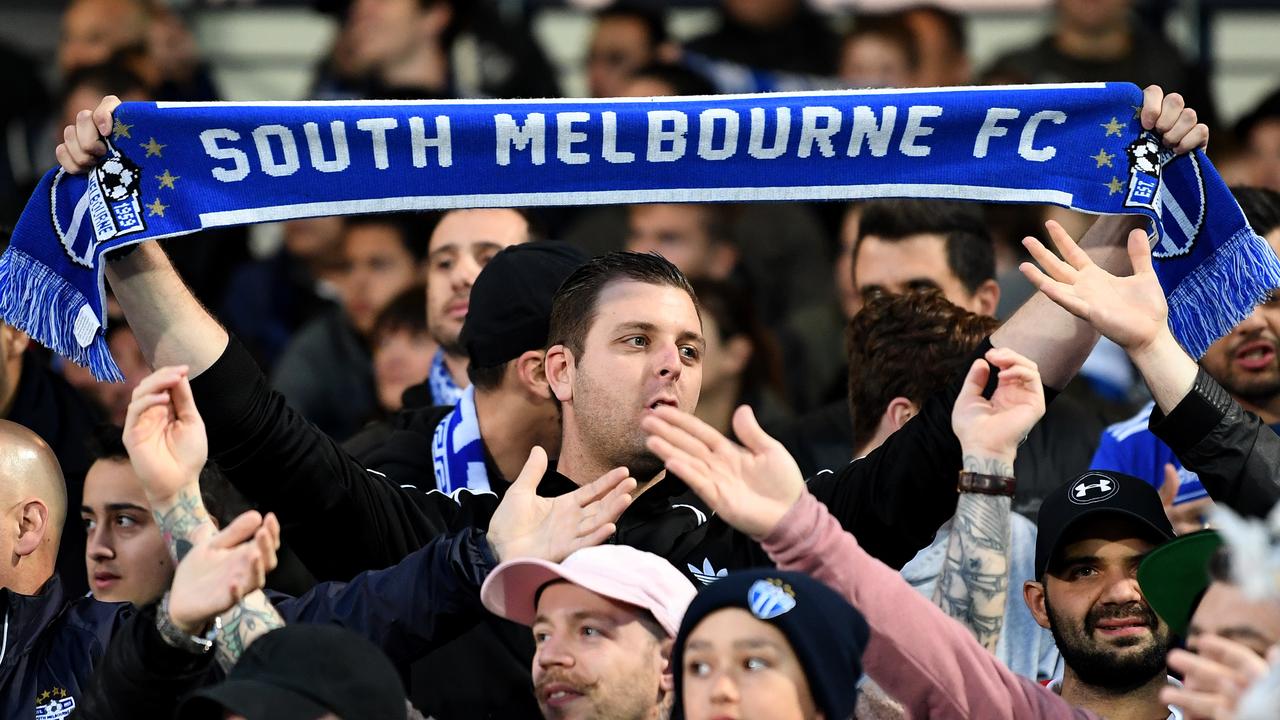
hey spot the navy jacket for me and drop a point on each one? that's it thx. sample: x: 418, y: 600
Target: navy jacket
x: 407, y: 610
x: 49, y: 647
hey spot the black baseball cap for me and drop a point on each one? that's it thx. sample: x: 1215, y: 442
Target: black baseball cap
x: 301, y: 672
x: 510, y: 307
x: 1175, y: 575
x: 1094, y: 493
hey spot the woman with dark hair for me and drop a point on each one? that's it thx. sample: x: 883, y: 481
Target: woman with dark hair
x: 742, y: 364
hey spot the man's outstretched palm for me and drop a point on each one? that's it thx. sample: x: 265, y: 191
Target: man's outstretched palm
x: 749, y: 487
x: 1131, y: 311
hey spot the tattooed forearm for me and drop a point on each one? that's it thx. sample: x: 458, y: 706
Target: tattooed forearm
x: 183, y: 521
x: 974, y: 583
x: 244, y: 623
x: 985, y: 465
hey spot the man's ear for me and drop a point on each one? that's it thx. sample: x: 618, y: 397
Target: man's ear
x: 900, y: 410
x: 532, y: 373
x: 1033, y: 595
x: 559, y: 367
x: 668, y: 680
x: 987, y: 298
x: 33, y: 526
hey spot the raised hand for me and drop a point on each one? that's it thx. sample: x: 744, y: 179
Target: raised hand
x: 750, y: 487
x: 991, y: 429
x: 220, y: 571
x: 1185, y: 517
x: 82, y: 142
x: 1131, y: 311
x: 527, y: 525
x: 164, y: 434
x: 1175, y: 123
x: 1215, y: 677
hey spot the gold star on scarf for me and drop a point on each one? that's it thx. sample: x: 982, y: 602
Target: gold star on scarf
x: 1103, y: 158
x: 166, y: 180
x: 156, y: 208
x: 1113, y: 128
x: 1115, y: 185
x: 62, y: 693
x: 43, y: 696
x: 153, y: 148
x: 119, y: 130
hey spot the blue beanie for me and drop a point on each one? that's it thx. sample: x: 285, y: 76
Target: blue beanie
x: 826, y: 633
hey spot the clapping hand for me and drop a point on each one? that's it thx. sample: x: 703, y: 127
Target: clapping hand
x: 164, y: 434
x: 218, y: 572
x: 750, y: 486
x: 528, y: 525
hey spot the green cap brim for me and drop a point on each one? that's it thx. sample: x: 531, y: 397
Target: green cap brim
x: 1176, y: 574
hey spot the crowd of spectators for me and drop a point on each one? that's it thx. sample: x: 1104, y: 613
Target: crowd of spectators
x: 552, y: 463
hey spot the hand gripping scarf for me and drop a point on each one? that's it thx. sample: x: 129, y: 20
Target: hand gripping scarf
x: 173, y: 169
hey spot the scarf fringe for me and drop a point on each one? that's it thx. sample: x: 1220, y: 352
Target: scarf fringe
x: 1222, y: 290
x: 39, y: 302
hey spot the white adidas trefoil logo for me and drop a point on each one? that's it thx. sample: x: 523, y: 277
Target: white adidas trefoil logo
x: 707, y: 574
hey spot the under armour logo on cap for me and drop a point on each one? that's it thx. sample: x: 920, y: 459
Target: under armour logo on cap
x: 1092, y: 488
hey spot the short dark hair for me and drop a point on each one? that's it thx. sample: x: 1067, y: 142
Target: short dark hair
x: 1261, y: 207
x: 220, y: 498
x: 735, y: 314
x: 113, y: 78
x: 533, y: 222
x: 487, y: 378
x: 970, y: 251
x: 413, y: 229
x: 573, y: 310
x: 952, y: 24
x: 407, y: 312
x: 907, y: 345
x: 654, y: 21
x: 682, y: 80
x: 892, y: 27
x: 1267, y: 109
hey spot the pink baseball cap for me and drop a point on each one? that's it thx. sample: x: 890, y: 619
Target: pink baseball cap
x: 618, y: 572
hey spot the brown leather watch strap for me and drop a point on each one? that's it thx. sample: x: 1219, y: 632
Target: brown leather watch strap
x: 972, y: 482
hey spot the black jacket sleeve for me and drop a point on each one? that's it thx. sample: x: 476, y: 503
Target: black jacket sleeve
x: 895, y: 499
x: 407, y: 610
x: 339, y: 517
x: 1236, y: 456
x: 141, y: 676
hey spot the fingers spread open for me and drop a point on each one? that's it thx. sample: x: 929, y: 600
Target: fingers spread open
x: 1052, y: 264
x: 534, y: 468
x: 676, y: 436
x: 694, y: 426
x: 748, y: 430
x: 1067, y: 247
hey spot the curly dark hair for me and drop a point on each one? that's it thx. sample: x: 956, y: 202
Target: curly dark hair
x: 906, y: 345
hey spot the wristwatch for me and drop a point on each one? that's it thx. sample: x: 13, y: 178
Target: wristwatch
x: 971, y: 482
x: 175, y: 637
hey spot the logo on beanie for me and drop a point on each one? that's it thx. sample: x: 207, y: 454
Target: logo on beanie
x: 770, y: 598
x: 1093, y: 488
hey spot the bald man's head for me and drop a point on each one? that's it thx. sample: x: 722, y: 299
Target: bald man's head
x: 33, y: 500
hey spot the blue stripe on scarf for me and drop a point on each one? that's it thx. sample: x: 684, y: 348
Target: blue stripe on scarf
x: 177, y: 168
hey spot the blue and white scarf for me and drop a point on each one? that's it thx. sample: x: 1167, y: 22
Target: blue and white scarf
x: 173, y: 169
x: 457, y: 451
x: 444, y: 391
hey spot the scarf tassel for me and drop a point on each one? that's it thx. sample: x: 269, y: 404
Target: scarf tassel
x: 1222, y: 291
x: 39, y: 302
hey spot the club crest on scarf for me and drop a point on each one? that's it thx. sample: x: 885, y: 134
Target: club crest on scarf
x: 1180, y: 199
x: 109, y: 204
x: 770, y: 598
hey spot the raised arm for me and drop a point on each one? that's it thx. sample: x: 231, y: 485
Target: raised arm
x: 1057, y: 341
x: 973, y: 586
x: 1235, y: 455
x: 171, y: 326
x: 164, y: 435
x: 921, y: 657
